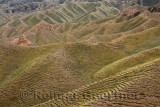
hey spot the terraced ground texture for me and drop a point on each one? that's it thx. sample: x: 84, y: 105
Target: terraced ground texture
x: 31, y: 12
x: 110, y: 61
x: 70, y: 12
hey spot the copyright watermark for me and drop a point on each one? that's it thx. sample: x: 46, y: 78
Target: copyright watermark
x: 24, y: 94
x: 72, y: 96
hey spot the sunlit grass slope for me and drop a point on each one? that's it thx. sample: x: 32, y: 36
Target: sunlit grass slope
x: 139, y: 62
x: 17, y: 60
x: 69, y: 67
x: 120, y: 82
x: 73, y: 65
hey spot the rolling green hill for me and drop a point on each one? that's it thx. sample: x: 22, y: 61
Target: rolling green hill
x: 89, y: 62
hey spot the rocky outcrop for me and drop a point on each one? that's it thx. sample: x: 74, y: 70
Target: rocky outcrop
x: 20, y: 41
x: 155, y: 8
x: 23, y: 41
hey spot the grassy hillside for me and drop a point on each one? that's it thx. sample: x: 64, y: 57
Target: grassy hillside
x: 83, y: 64
x: 120, y: 82
x: 93, y: 60
x: 23, y: 58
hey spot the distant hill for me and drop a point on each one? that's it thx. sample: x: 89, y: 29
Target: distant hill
x: 91, y: 26
x: 12, y: 6
x: 69, y: 12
